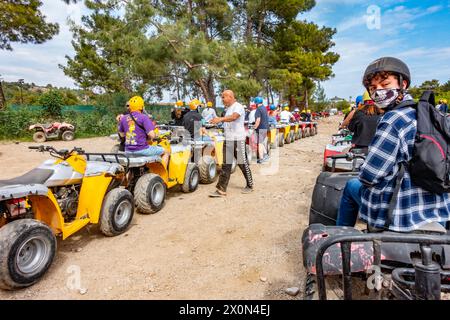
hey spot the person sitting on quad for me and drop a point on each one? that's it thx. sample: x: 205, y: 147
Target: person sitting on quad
x: 387, y: 80
x: 364, y: 123
x: 286, y: 116
x: 137, y: 129
x: 178, y: 114
x: 193, y: 122
x: 308, y: 116
x: 273, y: 115
x: 349, y: 115
x: 297, y: 115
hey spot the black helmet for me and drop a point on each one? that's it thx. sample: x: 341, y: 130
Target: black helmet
x: 389, y: 64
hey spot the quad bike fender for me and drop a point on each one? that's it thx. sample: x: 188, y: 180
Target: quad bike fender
x: 159, y: 169
x: 179, y: 161
x: 362, y: 258
x: 46, y: 209
x: 78, y: 163
x: 92, y: 193
x: 21, y: 191
x: 314, y: 236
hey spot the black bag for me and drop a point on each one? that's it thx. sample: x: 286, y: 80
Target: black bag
x: 430, y: 164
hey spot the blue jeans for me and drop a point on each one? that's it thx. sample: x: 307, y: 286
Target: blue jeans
x: 151, y: 151
x: 350, y: 204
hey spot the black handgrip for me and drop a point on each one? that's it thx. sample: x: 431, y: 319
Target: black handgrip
x: 36, y: 148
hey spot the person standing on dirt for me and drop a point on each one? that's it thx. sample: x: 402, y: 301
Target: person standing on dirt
x: 261, y: 128
x: 192, y: 121
x: 137, y: 129
x: 384, y: 171
x: 209, y: 113
x: 234, y: 146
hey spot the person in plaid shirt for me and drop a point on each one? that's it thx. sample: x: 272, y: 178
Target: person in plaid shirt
x: 370, y: 195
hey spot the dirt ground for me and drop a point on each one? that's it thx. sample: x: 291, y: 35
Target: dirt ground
x: 242, y: 247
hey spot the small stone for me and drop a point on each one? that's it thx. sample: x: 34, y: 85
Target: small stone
x: 151, y: 288
x: 78, y: 249
x: 110, y: 288
x: 83, y: 291
x: 292, y: 291
x: 263, y: 279
x: 229, y: 231
x: 126, y: 235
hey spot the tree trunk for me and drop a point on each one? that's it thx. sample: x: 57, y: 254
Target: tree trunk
x: 2, y: 97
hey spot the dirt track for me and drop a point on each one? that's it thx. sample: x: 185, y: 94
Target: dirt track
x: 243, y: 247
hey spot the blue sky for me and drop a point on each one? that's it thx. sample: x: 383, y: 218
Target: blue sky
x: 415, y: 31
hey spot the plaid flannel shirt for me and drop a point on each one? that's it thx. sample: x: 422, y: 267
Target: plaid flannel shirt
x: 393, y: 144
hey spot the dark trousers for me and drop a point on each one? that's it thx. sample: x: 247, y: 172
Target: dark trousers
x: 234, y: 150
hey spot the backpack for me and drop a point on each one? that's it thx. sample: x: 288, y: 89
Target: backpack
x: 430, y: 164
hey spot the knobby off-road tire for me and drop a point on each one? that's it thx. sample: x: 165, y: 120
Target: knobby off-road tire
x: 117, y: 212
x: 27, y: 249
x: 192, y: 178
x: 150, y: 194
x: 208, y: 170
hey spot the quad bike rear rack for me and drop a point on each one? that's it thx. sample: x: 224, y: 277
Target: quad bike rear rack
x: 427, y: 273
x: 111, y: 158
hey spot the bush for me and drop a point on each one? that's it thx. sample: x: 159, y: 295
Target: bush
x: 14, y: 124
x: 52, y: 101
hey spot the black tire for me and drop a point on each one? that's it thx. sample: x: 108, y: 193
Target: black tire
x: 150, y: 194
x: 288, y: 139
x: 297, y: 137
x: 307, y: 132
x: 27, y: 250
x: 39, y: 137
x: 68, y: 135
x: 281, y: 140
x: 292, y: 135
x: 310, y: 290
x: 117, y: 212
x: 304, y: 133
x: 208, y: 170
x: 191, y: 179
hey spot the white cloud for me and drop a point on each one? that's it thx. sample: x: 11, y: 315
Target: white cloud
x: 39, y: 63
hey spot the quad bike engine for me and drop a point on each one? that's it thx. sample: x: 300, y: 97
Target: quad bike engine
x: 67, y: 198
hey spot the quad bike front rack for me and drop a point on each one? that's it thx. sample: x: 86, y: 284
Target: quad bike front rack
x: 427, y: 273
x: 111, y: 158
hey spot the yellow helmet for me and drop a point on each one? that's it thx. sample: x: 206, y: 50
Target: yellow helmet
x: 209, y: 104
x: 444, y: 101
x: 194, y: 104
x: 309, y: 111
x: 136, y: 104
x: 286, y: 109
x: 179, y: 103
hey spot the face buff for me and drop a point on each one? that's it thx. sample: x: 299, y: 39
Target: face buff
x: 383, y: 98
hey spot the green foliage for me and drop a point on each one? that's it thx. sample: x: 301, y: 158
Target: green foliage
x: 22, y: 21
x: 192, y: 48
x: 52, y: 102
x: 343, y: 105
x: 441, y: 91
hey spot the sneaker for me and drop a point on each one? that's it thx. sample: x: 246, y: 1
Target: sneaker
x: 217, y: 194
x: 247, y: 190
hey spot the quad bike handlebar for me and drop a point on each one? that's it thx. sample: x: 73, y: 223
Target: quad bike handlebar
x: 61, y: 154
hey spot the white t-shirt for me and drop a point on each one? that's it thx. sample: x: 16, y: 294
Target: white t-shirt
x: 209, y: 114
x: 251, y: 116
x: 235, y: 130
x: 285, y: 116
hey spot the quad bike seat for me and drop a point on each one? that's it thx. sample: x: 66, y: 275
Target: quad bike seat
x: 134, y: 161
x: 35, y: 176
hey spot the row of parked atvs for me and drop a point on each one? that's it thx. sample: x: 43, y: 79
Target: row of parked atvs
x: 77, y: 188
x: 355, y: 263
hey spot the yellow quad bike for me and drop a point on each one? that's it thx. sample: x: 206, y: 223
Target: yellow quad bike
x: 283, y: 134
x: 149, y: 179
x: 272, y: 137
x: 58, y: 198
x: 293, y: 133
x: 297, y: 131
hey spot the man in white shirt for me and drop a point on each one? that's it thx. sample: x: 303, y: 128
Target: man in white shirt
x: 286, y: 116
x: 251, y: 115
x: 209, y: 113
x: 234, y: 146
